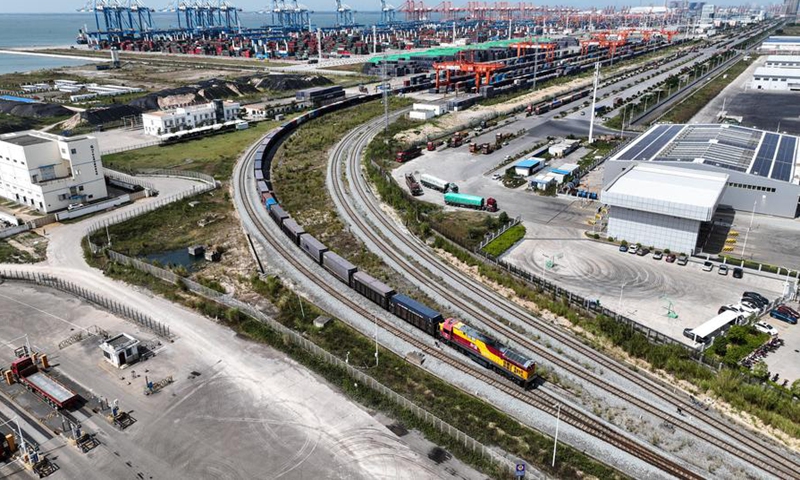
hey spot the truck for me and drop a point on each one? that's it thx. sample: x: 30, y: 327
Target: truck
x: 433, y: 145
x: 470, y: 201
x: 408, y: 154
x: 437, y: 183
x: 28, y: 374
x: 456, y: 140
x: 413, y: 185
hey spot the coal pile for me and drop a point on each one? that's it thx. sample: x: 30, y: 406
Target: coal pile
x: 201, y: 92
x: 289, y: 82
x: 33, y: 110
x: 99, y: 116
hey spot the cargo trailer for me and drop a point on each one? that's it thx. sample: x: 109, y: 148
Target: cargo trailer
x: 338, y: 267
x: 437, y: 183
x: 51, y: 391
x: 313, y: 247
x: 470, y: 201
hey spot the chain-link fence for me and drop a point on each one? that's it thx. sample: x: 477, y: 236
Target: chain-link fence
x: 111, y: 305
x: 359, y: 376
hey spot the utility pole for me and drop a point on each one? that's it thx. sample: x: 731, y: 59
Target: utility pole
x: 376, y: 341
x: 374, y: 39
x: 594, y: 101
x: 319, y: 43
x: 385, y: 106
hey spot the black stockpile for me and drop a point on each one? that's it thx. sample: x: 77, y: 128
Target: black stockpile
x: 33, y: 110
x: 99, y: 116
x: 288, y: 82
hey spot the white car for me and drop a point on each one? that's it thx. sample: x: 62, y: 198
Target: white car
x: 766, y: 328
x: 633, y: 249
x: 497, y: 176
x: 708, y: 266
x: 748, y: 310
x: 722, y: 270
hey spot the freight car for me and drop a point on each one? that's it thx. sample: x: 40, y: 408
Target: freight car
x: 415, y: 313
x: 470, y: 201
x: 293, y: 230
x: 339, y: 267
x: 278, y: 214
x: 374, y: 290
x: 313, y: 247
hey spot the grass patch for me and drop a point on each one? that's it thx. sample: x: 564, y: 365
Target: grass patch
x: 214, y: 155
x: 506, y: 240
x: 12, y: 252
x: 736, y: 344
x: 172, y: 226
x: 688, y: 108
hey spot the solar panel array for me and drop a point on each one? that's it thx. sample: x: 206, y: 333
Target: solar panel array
x: 733, y: 148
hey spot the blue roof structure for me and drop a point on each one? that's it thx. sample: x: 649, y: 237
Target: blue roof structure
x: 783, y: 39
x: 528, y: 163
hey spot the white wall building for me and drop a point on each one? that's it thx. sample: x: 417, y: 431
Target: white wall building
x: 776, y: 78
x: 49, y: 172
x: 781, y: 45
x: 661, y: 206
x: 783, y: 61
x: 187, y: 118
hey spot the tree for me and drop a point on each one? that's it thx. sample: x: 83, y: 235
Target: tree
x: 720, y: 346
x: 796, y: 388
x: 738, y: 334
x: 761, y: 370
x: 503, y: 218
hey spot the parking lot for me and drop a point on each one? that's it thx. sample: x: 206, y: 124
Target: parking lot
x: 639, y: 287
x: 786, y: 360
x: 236, y: 409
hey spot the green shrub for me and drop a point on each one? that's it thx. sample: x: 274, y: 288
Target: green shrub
x: 499, y: 245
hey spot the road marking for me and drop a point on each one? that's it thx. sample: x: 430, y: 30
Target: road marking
x: 46, y: 313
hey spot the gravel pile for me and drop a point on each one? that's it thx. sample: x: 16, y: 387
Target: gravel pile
x: 33, y: 110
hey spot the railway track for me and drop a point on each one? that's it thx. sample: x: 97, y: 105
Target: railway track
x: 474, y: 299
x: 543, y: 402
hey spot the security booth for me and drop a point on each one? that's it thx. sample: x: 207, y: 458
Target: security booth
x: 121, y: 350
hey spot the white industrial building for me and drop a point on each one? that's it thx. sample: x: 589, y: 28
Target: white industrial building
x: 783, y: 61
x: 781, y: 45
x: 187, y: 118
x: 762, y: 166
x: 49, y: 172
x: 662, y: 206
x: 784, y: 79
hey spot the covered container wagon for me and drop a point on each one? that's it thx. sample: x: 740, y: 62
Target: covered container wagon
x: 278, y: 214
x: 259, y: 174
x: 415, y: 313
x: 313, y: 247
x: 375, y: 290
x: 338, y: 266
x: 293, y: 230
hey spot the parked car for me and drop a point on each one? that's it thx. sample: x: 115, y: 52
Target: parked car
x: 756, y: 301
x: 623, y: 248
x: 766, y: 328
x: 749, y: 302
x: 643, y: 251
x: 722, y: 270
x: 738, y: 272
x: 497, y: 176
x: 788, y: 311
x: 756, y: 296
x: 633, y: 249
x: 657, y: 255
x: 727, y: 308
x: 750, y: 309
x: 683, y: 260
x: 708, y: 266
x: 671, y: 258
x: 783, y: 317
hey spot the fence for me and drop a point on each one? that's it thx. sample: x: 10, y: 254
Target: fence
x: 492, y: 235
x: 114, y: 307
x: 128, y: 179
x: 11, y: 231
x: 296, y: 338
x: 130, y: 147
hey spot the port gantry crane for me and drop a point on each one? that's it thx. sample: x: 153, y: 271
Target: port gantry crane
x: 119, y: 18
x: 549, y: 48
x: 465, y: 64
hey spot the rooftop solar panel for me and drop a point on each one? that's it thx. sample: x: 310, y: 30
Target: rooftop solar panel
x: 765, y: 154
x: 633, y: 152
x: 782, y: 170
x: 659, y: 143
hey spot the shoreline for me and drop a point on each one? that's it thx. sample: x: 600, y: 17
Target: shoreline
x: 52, y: 55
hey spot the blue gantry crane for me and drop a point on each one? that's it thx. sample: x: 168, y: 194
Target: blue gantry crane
x: 119, y: 18
x: 205, y: 15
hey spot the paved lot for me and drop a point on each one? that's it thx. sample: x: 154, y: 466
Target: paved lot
x: 786, y: 360
x: 598, y: 270
x: 771, y: 240
x: 122, y: 138
x: 239, y: 418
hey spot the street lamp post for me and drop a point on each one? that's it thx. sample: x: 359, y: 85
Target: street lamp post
x: 621, y: 288
x: 752, y: 216
x: 555, y: 444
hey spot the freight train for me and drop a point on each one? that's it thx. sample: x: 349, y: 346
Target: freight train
x: 482, y: 348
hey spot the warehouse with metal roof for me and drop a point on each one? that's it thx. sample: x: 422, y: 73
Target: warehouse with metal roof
x: 762, y: 167
x: 662, y: 206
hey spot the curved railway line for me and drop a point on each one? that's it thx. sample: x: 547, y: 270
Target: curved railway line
x: 473, y: 299
x: 539, y: 400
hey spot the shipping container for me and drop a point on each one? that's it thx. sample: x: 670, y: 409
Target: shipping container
x: 415, y: 313
x: 293, y: 230
x: 262, y: 188
x: 313, y: 247
x: 339, y: 267
x: 278, y: 214
x: 374, y: 290
x: 259, y: 175
x: 259, y: 163
x: 461, y: 199
x: 268, y: 200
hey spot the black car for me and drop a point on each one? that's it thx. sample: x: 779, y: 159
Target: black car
x: 756, y: 296
x: 738, y: 272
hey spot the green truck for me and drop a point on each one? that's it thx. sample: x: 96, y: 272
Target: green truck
x: 470, y: 201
